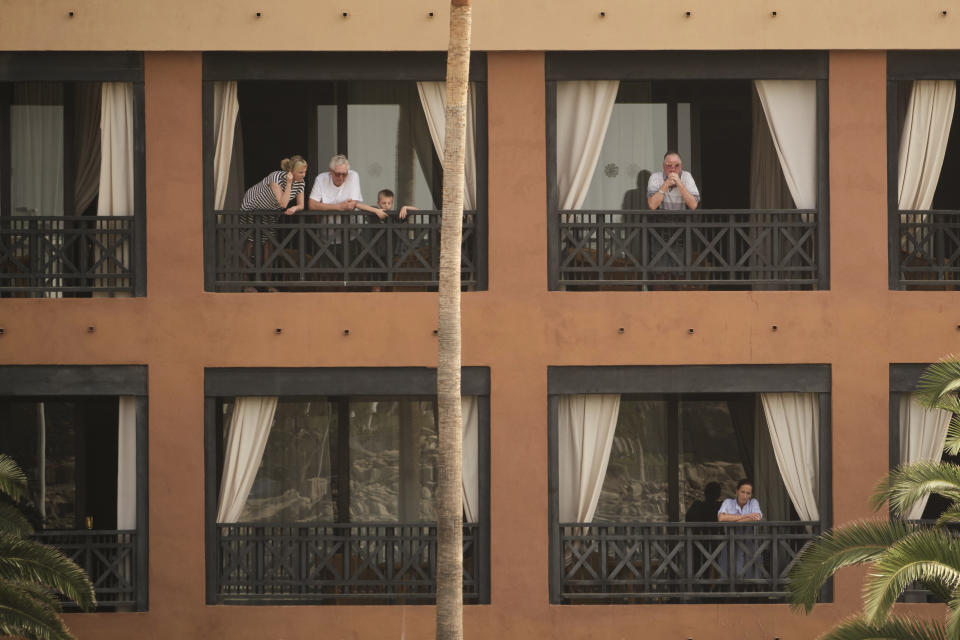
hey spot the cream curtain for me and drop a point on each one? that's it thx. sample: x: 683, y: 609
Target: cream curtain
x: 225, y: 111
x: 247, y: 436
x: 586, y: 427
x: 433, y: 97
x: 470, y: 453
x: 794, y: 423
x: 127, y: 463
x: 790, y: 107
x: 924, y: 142
x: 87, y: 144
x: 583, y: 115
x: 922, y: 434
x: 116, y: 176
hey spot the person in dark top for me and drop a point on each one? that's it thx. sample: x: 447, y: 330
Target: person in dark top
x: 705, y: 510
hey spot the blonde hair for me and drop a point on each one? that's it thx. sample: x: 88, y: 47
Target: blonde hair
x: 291, y: 163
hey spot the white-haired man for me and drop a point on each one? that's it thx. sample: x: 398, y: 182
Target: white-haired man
x: 339, y: 190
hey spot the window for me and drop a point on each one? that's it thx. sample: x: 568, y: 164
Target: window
x: 634, y: 514
x: 386, y: 114
x: 329, y: 498
x: 923, y: 153
x: 66, y: 121
x: 750, y: 142
x: 79, y: 434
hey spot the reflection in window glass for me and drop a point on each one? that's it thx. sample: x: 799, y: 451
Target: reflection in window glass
x: 635, y: 487
x: 708, y: 451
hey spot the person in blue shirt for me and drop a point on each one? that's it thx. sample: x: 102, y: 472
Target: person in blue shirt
x: 744, y: 508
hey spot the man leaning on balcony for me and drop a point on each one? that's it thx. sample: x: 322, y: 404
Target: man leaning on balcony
x: 672, y: 188
x: 339, y: 190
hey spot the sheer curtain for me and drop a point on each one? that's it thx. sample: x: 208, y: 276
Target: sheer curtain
x: 470, y: 454
x: 586, y: 428
x: 768, y: 490
x: 247, y: 436
x: 433, y: 98
x: 127, y: 463
x: 87, y: 145
x: 116, y: 175
x: 36, y: 149
x: 583, y: 115
x: 794, y: 424
x: 225, y: 111
x: 922, y: 434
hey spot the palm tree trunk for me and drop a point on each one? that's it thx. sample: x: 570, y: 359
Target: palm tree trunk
x: 450, y: 508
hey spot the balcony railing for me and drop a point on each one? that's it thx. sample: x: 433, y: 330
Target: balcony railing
x: 647, y: 562
x: 317, y: 252
x: 338, y: 563
x: 929, y: 250
x: 53, y: 256
x: 679, y: 250
x: 110, y: 560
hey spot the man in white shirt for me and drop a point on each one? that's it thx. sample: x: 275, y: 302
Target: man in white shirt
x: 339, y: 190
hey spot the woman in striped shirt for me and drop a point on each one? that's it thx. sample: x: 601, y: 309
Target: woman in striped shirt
x: 280, y: 190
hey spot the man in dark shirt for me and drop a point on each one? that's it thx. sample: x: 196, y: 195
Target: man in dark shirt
x: 705, y: 510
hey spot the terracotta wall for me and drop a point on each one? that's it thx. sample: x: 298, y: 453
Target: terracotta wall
x: 517, y: 328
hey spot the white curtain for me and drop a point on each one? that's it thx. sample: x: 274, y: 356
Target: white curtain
x: 923, y: 142
x: 127, y: 463
x: 583, y: 115
x: 116, y: 175
x: 225, y: 110
x: 922, y: 434
x: 247, y: 437
x: 433, y: 97
x: 585, y: 433
x: 791, y: 110
x: 470, y: 453
x: 794, y: 423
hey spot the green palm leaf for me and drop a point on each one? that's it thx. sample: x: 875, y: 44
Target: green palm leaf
x: 13, y: 482
x: 12, y: 521
x: 28, y: 561
x: 939, y: 381
x: 849, y: 545
x: 952, y: 444
x: 925, y: 554
x: 31, y: 612
x: 910, y: 483
x: 894, y: 628
x: 950, y: 516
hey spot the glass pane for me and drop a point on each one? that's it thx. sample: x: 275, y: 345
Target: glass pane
x: 633, y: 148
x: 635, y: 487
x: 36, y: 150
x: 684, y: 133
x: 708, y: 451
x: 293, y: 483
x: 326, y: 136
x: 68, y: 451
x: 389, y: 144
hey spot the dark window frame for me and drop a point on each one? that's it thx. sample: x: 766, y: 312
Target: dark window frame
x: 905, y: 66
x: 341, y: 67
x: 62, y: 381
x: 336, y: 381
x: 688, y: 65
x: 72, y: 67
x: 686, y: 380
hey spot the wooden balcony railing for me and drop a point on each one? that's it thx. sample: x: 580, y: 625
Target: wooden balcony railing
x: 927, y: 244
x: 678, y: 250
x: 338, y: 563
x: 66, y: 255
x: 655, y: 562
x: 111, y: 560
x: 318, y: 252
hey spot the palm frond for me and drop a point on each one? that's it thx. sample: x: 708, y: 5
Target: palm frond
x: 906, y: 485
x: 31, y: 612
x: 852, y: 544
x: 13, y: 482
x: 951, y: 515
x: 925, y: 554
x: 894, y: 628
x: 952, y: 443
x: 940, y: 380
x: 24, y: 560
x: 12, y: 521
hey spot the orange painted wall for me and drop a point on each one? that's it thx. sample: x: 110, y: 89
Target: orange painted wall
x: 517, y: 328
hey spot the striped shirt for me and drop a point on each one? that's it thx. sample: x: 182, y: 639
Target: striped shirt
x: 260, y: 195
